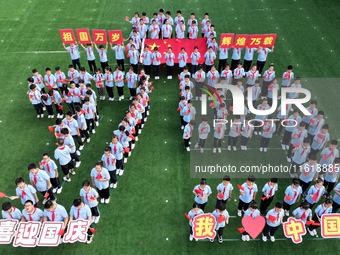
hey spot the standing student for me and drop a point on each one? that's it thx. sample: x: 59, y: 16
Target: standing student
x: 219, y: 129
x: 255, y: 92
x: 262, y: 57
x: 9, y: 212
x: 300, y: 155
x: 41, y: 181
x: 170, y: 58
x: 35, y: 98
x: 135, y: 20
x: 119, y: 54
x: 203, y: 131
x: 222, y: 217
x: 91, y: 59
x: 99, y: 79
x: 82, y: 124
x: 118, y: 78
x: 180, y: 30
x: 56, y: 213
x: 315, y: 192
x: 202, y: 192
x: 166, y: 30
x: 109, y: 161
x: 222, y: 58
x: 68, y: 141
x: 193, y: 30
x: 100, y: 178
x: 336, y: 199
x: 117, y: 151
x: 238, y: 73
x: 146, y: 60
x: 292, y: 123
x: 74, y: 51
x: 131, y: 79
x: 267, y: 134
x: 85, y: 76
x: 273, y: 86
x: 195, y: 211
x: 287, y: 77
x: 247, y: 133
x: 73, y: 75
x: 252, y: 76
x: 248, y: 192
x: 292, y: 195
x: 38, y: 80
x: 102, y: 56
x: 224, y: 191
x: 187, y: 133
x: 182, y: 59
x: 248, y: 58
x: 156, y: 57
x: 134, y: 56
x: 108, y: 77
x: 60, y: 78
x: 90, y: 112
x: 63, y: 153
x: 50, y: 80
x: 207, y: 29
x: 212, y: 76
x: 253, y: 212
x: 235, y: 131
x: 227, y: 73
x: 51, y: 169
x: 308, y: 173
x: 136, y: 40
x: 268, y: 190
x: 268, y: 78
x: 31, y: 213
x: 324, y: 208
x: 142, y: 29
x: 298, y: 136
x: 320, y: 140
x: 303, y: 212
x: 25, y: 192
x: 67, y: 97
x: 81, y: 211
x: 210, y: 57
x: 331, y: 177
x: 316, y: 125
x: 235, y: 58
x: 328, y: 155
x: 262, y: 107
x: 204, y: 22
x: 295, y: 85
x: 195, y: 56
x: 199, y: 82
x: 274, y: 218
x: 154, y: 30
x: 89, y: 196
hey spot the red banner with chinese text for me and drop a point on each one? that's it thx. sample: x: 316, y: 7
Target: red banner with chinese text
x: 67, y: 36
x: 83, y: 36
x: 99, y: 36
x: 115, y: 36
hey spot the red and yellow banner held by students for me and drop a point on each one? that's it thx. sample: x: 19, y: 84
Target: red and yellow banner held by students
x: 83, y: 36
x: 67, y: 36
x: 99, y: 36
x: 115, y: 36
x: 227, y: 41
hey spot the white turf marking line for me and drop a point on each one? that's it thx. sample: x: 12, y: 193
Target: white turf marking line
x: 36, y: 52
x: 225, y: 149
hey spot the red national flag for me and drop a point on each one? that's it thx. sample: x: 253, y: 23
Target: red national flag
x: 83, y: 36
x: 227, y: 41
x: 254, y: 41
x: 268, y: 40
x: 199, y: 192
x: 51, y: 128
x: 309, y: 222
x: 2, y: 195
x: 99, y: 36
x: 67, y: 36
x: 312, y: 121
x: 240, y: 187
x: 132, y: 137
x: 272, y: 218
x: 263, y: 198
x: 61, y: 232
x: 186, y: 215
x: 296, y: 145
x: 241, y: 41
x: 231, y: 108
x: 127, y: 149
x: 221, y: 218
x: 93, y: 230
x: 115, y: 36
x: 127, y: 18
x: 289, y: 198
x: 211, y: 105
x: 241, y: 230
x: 188, y: 44
x: 179, y: 108
x: 47, y: 195
x: 220, y: 196
x: 320, y: 136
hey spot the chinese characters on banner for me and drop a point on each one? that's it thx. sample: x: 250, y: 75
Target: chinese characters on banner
x: 29, y: 234
x: 67, y: 36
x: 83, y: 36
x: 330, y: 225
x: 115, y: 36
x: 203, y: 226
x: 227, y: 40
x: 294, y: 229
x: 99, y: 36
x: 250, y: 41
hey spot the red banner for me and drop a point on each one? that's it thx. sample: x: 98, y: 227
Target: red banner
x: 83, y: 36
x: 99, y: 36
x: 227, y: 41
x: 176, y: 45
x: 254, y: 41
x: 268, y: 40
x: 67, y: 36
x: 241, y: 41
x: 115, y: 36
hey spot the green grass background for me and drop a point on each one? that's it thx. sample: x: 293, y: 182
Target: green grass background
x: 138, y: 220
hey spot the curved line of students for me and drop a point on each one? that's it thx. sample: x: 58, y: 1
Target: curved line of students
x: 274, y: 217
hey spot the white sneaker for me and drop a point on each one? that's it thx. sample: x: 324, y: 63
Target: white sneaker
x: 283, y: 147
x: 133, y: 146
x: 247, y: 238
x: 119, y: 99
x: 234, y: 148
x: 188, y: 148
x: 310, y: 232
x: 201, y: 150
x: 78, y: 153
x: 130, y: 98
x: 315, y: 233
x: 54, y: 190
x: 139, y: 131
x: 244, y: 238
x: 255, y: 133
x: 81, y: 147
x: 261, y: 149
x: 78, y: 164
x: 136, y: 138
x: 67, y: 179
x: 142, y: 125
x: 170, y: 77
x: 83, y: 139
x: 214, y: 150
x: 89, y: 240
x: 117, y: 171
x: 97, y: 123
x: 289, y: 159
x: 58, y: 116
x: 220, y: 239
x: 239, y: 213
x: 242, y: 148
x: 44, y: 108
x: 59, y: 190
x: 287, y: 147
x: 38, y: 116
x: 41, y: 115
x: 286, y: 213
x: 264, y: 238
x: 219, y: 150
x: 125, y: 160
x: 260, y: 133
x: 229, y: 148
x: 96, y: 219
x: 245, y: 148
x: 52, y: 116
x: 72, y: 172
x: 102, y: 200
x: 121, y: 172
x: 93, y: 131
x: 111, y: 185
x: 265, y: 149
x: 191, y: 237
x: 182, y: 127
x: 107, y: 201
x: 49, y: 116
x: 211, y: 240
x: 272, y: 238
x: 259, y: 75
x: 88, y: 140
x: 115, y: 185
x: 146, y: 118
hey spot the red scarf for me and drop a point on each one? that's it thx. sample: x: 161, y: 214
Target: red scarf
x: 29, y: 214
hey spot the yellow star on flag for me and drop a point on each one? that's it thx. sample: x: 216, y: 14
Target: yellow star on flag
x: 169, y: 45
x: 153, y: 46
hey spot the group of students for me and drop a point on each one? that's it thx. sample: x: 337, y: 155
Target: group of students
x: 247, y: 205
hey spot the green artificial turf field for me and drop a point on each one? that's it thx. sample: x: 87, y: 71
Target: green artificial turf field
x: 138, y: 220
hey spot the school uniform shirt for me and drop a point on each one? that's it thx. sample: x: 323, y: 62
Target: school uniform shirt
x: 263, y: 54
x: 40, y: 180
x: 89, y: 53
x: 14, y: 215
x: 217, y: 214
x: 268, y: 76
x: 182, y: 59
x: 314, y: 190
x: 238, y: 71
x: 321, y: 210
x: 58, y: 215
x: 219, y: 128
x: 298, y: 136
x: 69, y: 141
x: 332, y: 173
x: 209, y: 58
x: 278, y: 217
x: 187, y: 96
x: 35, y: 215
x: 63, y: 154
x: 186, y: 117
x: 135, y: 21
x: 247, y: 130
x: 178, y: 20
x: 261, y: 108
x: 105, y: 175
x: 49, y: 167
x: 248, y: 193
x: 102, y: 55
x: 38, y: 80
x: 269, y: 189
x: 200, y: 75
x: 256, y: 91
x: 88, y: 109
x: 146, y: 58
x: 134, y: 57
x: 50, y: 80
x: 336, y: 197
x: 117, y: 150
x: 213, y: 75
x: 59, y: 128
x: 203, y: 128
x: 222, y: 114
x: 109, y: 162
x: 154, y: 29
x: 308, y: 172
x: 35, y: 96
x: 119, y: 52
x: 214, y: 46
x: 291, y: 122
x: 83, y: 213
x: 320, y: 137
x: 302, y: 214
x: 254, y: 214
x: 195, y: 56
x: 271, y: 88
x: 206, y: 190
x: 87, y: 197
x: 268, y: 128
x: 67, y: 97
x: 301, y: 154
x: 313, y: 113
x: 207, y: 31
x: 317, y: 125
x: 294, y: 95
x: 26, y: 194
x: 75, y: 95
x: 193, y: 30
x: 236, y: 54
x: 329, y: 155
x: 181, y: 105
x: 59, y: 78
x: 204, y: 22
x: 123, y: 139
x: 146, y: 20
x: 252, y: 77
x: 74, y: 75
x: 141, y: 30
x: 249, y: 54
x: 288, y: 77
x: 131, y: 79
x: 182, y: 74
x: 156, y: 58
x: 187, y: 133
x: 228, y: 75
x: 56, y: 97
x: 169, y: 59
x: 245, y: 112
x: 192, y: 215
x: 223, y: 53
x: 85, y: 77
x: 74, y: 51
x: 224, y: 190
x: 292, y: 193
x: 81, y: 121
x: 108, y: 79
x: 167, y: 30
x: 236, y: 128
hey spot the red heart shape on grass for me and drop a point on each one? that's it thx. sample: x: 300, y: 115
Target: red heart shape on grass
x: 253, y: 226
